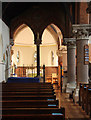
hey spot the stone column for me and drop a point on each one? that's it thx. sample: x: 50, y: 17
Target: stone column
x: 38, y: 60
x: 71, y: 63
x: 81, y: 33
x: 38, y: 42
x: 71, y: 59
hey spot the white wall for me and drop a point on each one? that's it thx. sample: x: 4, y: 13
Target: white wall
x: 24, y: 37
x: 47, y: 38
x: 4, y: 43
x: 45, y: 53
x: 26, y: 54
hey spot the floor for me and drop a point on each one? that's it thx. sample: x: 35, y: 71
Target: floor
x: 72, y: 110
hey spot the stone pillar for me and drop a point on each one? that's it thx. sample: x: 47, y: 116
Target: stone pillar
x: 81, y: 33
x: 38, y: 42
x: 71, y: 59
x: 71, y: 63
x: 61, y: 53
x: 38, y: 60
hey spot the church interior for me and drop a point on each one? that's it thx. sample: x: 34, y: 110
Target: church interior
x: 45, y: 60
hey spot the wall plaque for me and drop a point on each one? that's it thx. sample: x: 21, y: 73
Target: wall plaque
x: 86, y: 55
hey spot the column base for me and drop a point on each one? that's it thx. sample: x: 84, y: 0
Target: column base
x: 70, y: 87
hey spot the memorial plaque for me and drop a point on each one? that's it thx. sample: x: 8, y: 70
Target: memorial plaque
x: 86, y: 55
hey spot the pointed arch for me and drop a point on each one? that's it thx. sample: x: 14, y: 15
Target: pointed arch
x: 20, y: 34
x: 55, y: 32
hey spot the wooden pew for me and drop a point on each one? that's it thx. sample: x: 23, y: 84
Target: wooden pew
x: 49, y: 112
x: 28, y: 97
x: 27, y: 84
x: 25, y: 90
x: 88, y: 100
x: 24, y: 87
x: 32, y: 110
x: 85, y: 97
x: 81, y: 93
x: 26, y: 93
x: 30, y: 104
x: 33, y: 117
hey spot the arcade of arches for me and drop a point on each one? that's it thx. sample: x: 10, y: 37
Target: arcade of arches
x: 47, y: 41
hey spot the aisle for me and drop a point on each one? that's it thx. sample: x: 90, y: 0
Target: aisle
x: 72, y: 111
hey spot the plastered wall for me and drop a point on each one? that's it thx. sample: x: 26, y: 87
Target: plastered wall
x: 4, y: 51
x: 26, y: 55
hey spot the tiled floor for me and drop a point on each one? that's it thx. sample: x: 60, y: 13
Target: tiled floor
x: 72, y: 110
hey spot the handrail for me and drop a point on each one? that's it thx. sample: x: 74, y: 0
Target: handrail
x: 24, y: 71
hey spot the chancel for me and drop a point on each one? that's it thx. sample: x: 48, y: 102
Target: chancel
x: 45, y: 60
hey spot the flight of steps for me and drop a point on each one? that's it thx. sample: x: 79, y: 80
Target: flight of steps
x: 29, y: 101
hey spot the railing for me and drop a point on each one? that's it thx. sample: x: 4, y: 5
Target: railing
x: 28, y: 71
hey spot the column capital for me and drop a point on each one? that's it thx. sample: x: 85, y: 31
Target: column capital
x: 70, y: 42
x: 61, y: 51
x: 81, y: 31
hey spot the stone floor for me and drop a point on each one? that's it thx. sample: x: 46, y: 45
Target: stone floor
x: 72, y: 110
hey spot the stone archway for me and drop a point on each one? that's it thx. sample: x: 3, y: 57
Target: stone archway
x: 24, y: 48
x: 58, y: 39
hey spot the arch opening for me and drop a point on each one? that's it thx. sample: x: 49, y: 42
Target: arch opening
x: 22, y: 58
x: 52, y: 39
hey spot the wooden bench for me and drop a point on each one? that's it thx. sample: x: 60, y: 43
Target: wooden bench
x: 49, y: 112
x: 85, y: 97
x: 32, y: 110
x: 81, y: 92
x: 26, y: 93
x: 28, y: 97
x: 33, y: 117
x: 28, y: 84
x: 25, y: 86
x: 28, y: 89
x: 30, y: 103
x: 87, y: 101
